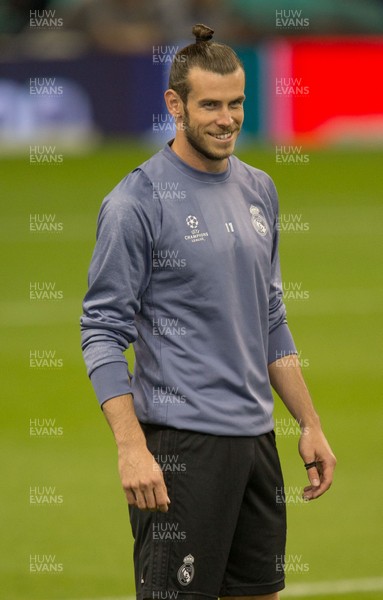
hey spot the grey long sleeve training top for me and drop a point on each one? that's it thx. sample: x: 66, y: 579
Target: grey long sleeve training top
x: 186, y: 268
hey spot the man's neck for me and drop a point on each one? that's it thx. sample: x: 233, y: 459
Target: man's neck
x: 195, y: 159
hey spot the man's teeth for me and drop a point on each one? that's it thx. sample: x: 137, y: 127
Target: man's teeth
x: 222, y: 136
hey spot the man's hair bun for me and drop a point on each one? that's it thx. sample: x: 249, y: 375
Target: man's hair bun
x: 205, y: 54
x: 202, y: 33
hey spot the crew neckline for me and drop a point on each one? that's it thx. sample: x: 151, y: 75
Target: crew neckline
x: 191, y: 171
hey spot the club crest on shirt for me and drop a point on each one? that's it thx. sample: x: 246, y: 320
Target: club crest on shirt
x: 258, y: 220
x: 185, y: 573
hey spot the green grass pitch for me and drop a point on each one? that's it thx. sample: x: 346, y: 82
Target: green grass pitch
x: 336, y: 265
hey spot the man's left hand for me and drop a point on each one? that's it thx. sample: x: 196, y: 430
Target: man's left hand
x: 314, y: 448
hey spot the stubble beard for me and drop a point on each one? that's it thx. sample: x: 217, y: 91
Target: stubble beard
x: 197, y: 144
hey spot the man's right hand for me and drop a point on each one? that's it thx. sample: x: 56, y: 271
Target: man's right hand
x: 142, y: 480
x: 140, y: 474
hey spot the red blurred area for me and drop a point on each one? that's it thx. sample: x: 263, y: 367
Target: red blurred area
x: 345, y: 87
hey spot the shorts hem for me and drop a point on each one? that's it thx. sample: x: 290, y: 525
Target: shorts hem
x: 154, y: 594
x: 241, y: 590
x: 253, y: 590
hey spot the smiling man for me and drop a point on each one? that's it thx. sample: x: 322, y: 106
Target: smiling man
x: 186, y: 268
x: 210, y: 120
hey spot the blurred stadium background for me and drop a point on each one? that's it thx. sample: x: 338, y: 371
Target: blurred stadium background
x: 81, y: 86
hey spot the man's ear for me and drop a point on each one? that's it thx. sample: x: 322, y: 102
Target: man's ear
x: 174, y: 104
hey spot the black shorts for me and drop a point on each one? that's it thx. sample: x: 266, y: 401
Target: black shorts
x: 224, y: 533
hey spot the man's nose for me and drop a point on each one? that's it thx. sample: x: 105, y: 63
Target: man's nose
x: 224, y: 118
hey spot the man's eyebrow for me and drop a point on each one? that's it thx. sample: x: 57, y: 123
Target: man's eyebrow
x: 240, y: 99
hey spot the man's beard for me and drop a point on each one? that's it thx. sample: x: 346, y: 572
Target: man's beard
x: 195, y: 142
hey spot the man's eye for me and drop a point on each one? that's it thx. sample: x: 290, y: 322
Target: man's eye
x: 209, y: 104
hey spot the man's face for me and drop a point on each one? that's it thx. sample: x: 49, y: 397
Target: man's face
x: 213, y: 115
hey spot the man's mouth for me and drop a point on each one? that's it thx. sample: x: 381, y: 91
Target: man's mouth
x: 222, y: 136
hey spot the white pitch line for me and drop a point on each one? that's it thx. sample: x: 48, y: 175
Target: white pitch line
x: 302, y: 590
x: 332, y: 588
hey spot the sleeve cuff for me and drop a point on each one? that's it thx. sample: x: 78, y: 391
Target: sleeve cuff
x: 281, y: 343
x: 111, y: 380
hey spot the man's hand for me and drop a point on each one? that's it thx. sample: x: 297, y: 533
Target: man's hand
x: 142, y: 480
x: 287, y: 380
x: 313, y: 447
x: 140, y: 474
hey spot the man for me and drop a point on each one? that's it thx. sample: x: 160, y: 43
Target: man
x: 186, y: 267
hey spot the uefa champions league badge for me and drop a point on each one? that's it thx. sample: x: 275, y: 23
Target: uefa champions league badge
x: 258, y: 220
x: 196, y: 234
x: 186, y: 571
x: 192, y: 221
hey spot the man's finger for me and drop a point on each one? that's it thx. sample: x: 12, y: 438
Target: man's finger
x: 162, y: 499
x: 130, y: 497
x: 326, y: 480
x: 141, y: 500
x: 313, y: 473
x: 313, y: 476
x: 150, y: 498
x: 325, y: 474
